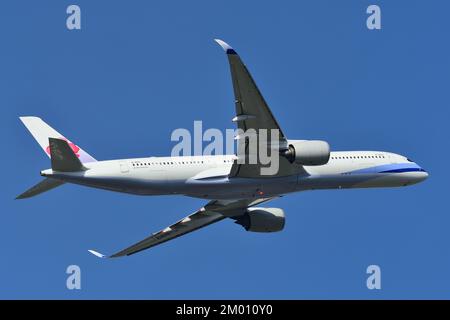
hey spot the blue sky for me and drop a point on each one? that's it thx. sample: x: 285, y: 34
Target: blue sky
x: 137, y: 70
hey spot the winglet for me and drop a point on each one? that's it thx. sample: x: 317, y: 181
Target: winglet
x: 225, y: 46
x: 97, y: 254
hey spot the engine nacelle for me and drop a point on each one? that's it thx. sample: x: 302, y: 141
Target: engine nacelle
x: 262, y: 220
x: 308, y: 152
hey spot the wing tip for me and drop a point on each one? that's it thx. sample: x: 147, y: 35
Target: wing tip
x: 97, y: 254
x: 225, y: 46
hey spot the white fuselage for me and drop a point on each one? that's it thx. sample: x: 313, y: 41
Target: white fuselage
x: 207, y: 176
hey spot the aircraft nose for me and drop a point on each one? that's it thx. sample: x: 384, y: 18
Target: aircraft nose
x: 421, y: 175
x: 424, y: 174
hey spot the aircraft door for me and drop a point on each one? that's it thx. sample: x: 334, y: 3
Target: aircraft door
x: 124, y: 167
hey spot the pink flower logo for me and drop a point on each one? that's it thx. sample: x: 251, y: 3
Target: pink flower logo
x: 72, y: 145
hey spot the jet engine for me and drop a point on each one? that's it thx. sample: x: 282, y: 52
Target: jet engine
x: 308, y: 152
x: 262, y: 219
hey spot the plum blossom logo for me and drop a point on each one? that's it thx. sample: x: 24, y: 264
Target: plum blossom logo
x: 72, y: 145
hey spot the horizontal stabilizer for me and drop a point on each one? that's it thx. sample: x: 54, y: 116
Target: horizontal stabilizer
x: 43, y: 186
x: 62, y: 156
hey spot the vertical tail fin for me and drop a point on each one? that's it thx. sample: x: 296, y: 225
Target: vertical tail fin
x: 41, y: 131
x: 62, y: 156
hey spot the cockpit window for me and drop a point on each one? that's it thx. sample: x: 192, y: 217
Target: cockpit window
x: 409, y: 160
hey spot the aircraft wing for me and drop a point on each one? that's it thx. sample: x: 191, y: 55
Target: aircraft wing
x: 252, y: 112
x: 214, y: 211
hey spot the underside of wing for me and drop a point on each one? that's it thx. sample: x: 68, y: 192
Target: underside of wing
x: 214, y: 211
x: 252, y: 111
x: 254, y: 118
x: 197, y: 220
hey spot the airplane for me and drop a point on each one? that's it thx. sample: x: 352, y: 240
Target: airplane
x: 235, y: 190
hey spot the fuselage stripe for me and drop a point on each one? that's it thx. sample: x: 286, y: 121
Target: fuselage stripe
x: 389, y: 168
x: 403, y: 170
